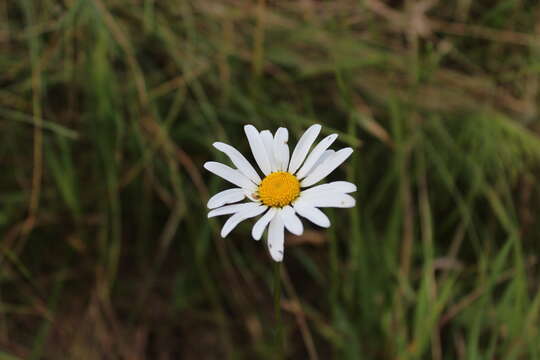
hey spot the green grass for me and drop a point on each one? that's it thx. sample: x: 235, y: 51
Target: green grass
x: 108, y: 110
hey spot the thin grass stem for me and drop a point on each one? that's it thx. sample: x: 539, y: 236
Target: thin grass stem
x: 278, y: 340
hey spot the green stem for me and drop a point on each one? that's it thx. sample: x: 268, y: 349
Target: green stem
x: 277, y: 311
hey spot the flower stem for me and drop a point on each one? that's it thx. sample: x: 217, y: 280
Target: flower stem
x: 277, y: 311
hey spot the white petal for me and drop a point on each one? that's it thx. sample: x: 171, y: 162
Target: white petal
x: 260, y: 225
x: 252, y: 195
x: 239, y: 161
x: 268, y: 141
x: 334, y: 186
x: 281, y: 149
x: 291, y: 221
x: 330, y: 199
x: 276, y: 235
x: 302, y: 148
x: 313, y: 214
x: 226, y: 197
x: 230, y: 174
x: 229, y: 209
x: 326, y: 167
x: 258, y: 149
x: 315, y: 155
x: 246, y: 213
x: 322, y: 159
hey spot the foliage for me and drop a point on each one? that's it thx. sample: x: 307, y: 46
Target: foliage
x: 109, y: 108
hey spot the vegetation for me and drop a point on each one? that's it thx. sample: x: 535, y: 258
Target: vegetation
x: 109, y: 108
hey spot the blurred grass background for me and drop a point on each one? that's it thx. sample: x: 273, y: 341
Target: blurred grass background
x: 109, y: 108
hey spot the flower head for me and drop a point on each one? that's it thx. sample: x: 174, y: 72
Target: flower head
x: 286, y: 190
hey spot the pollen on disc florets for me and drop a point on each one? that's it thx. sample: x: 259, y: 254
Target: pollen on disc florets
x: 279, y: 189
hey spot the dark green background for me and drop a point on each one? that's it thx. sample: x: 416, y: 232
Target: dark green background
x: 108, y: 110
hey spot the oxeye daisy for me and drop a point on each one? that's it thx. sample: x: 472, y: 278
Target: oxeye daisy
x: 286, y: 190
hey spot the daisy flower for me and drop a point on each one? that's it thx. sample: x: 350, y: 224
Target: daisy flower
x: 286, y: 190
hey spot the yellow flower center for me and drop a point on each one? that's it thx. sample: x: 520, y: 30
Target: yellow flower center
x: 279, y: 189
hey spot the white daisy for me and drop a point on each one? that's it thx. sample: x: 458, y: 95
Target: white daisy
x: 283, y: 192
